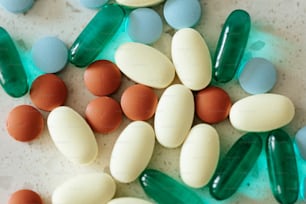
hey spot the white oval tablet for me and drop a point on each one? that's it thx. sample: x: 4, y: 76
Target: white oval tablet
x: 174, y: 116
x: 145, y: 65
x: 191, y: 58
x: 261, y: 112
x: 139, y: 3
x: 199, y: 155
x: 72, y: 135
x: 132, y: 151
x: 93, y: 188
x: 128, y: 200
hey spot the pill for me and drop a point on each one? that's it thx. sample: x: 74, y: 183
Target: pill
x: 103, y: 114
x: 17, y: 6
x: 164, y: 189
x: 93, y: 4
x: 72, y: 135
x: 145, y: 65
x: 144, y: 25
x: 231, y: 45
x: 102, y: 77
x: 235, y: 166
x: 138, y: 3
x: 174, y: 116
x: 199, y: 155
x: 25, y: 196
x: 139, y: 102
x: 282, y: 167
x: 128, y: 200
x: 191, y: 58
x: 12, y: 73
x: 181, y: 13
x: 24, y: 123
x: 87, y: 188
x: 95, y: 35
x: 48, y: 91
x: 212, y: 104
x: 300, y: 139
x: 132, y: 151
x: 261, y: 112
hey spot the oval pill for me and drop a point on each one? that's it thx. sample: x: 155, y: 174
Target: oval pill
x: 25, y: 196
x: 145, y: 65
x: 199, y: 155
x: 191, y: 58
x: 95, y: 188
x: 93, y: 4
x: 17, y: 6
x: 174, y: 116
x: 262, y: 112
x: 128, y: 200
x: 132, y: 151
x: 72, y: 135
x: 300, y: 140
x: 138, y: 3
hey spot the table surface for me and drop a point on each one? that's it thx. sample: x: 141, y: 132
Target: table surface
x: 278, y: 34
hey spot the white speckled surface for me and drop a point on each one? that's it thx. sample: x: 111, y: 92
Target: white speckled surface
x: 280, y: 28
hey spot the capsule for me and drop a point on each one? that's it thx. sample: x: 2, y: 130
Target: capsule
x: 235, y: 166
x: 231, y: 45
x: 96, y: 34
x: 13, y: 77
x: 282, y: 167
x: 164, y: 189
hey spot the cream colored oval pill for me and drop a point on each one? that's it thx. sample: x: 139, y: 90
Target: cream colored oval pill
x: 132, y: 151
x: 139, y: 3
x: 174, y: 116
x: 191, y: 58
x: 145, y: 65
x: 128, y: 200
x: 72, y: 135
x: 262, y: 112
x: 93, y: 188
x: 199, y: 155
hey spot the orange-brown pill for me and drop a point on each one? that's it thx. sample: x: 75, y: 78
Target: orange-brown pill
x: 25, y: 196
x: 25, y: 123
x: 139, y: 102
x: 212, y: 105
x: 102, y: 77
x: 103, y: 114
x: 48, y: 91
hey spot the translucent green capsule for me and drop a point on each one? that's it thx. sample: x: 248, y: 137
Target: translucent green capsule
x: 235, y: 166
x: 165, y: 190
x: 231, y: 45
x: 282, y: 167
x: 13, y: 77
x: 95, y: 35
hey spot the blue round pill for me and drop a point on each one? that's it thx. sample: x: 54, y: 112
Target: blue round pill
x: 49, y: 54
x: 144, y: 25
x: 182, y: 13
x: 17, y: 6
x: 93, y: 4
x: 258, y: 76
x: 300, y: 140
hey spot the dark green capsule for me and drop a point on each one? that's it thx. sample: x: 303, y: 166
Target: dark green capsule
x: 282, y: 167
x: 165, y: 190
x: 231, y: 45
x: 235, y: 166
x: 13, y: 77
x: 95, y: 35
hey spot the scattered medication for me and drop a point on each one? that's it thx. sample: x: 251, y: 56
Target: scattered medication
x: 93, y: 4
x: 138, y: 3
x: 128, y: 200
x: 17, y: 6
x: 25, y: 196
x: 300, y: 140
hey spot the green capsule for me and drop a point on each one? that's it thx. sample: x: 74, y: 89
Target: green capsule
x: 235, y: 166
x: 95, y: 35
x: 164, y: 189
x: 282, y: 167
x: 231, y: 45
x: 13, y: 77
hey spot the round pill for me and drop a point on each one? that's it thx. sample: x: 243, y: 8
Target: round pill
x: 212, y: 105
x: 182, y: 13
x: 49, y: 54
x: 300, y: 139
x: 144, y: 25
x: 17, y: 6
x: 93, y: 4
x: 102, y: 77
x: 139, y: 102
x: 258, y: 76
x: 48, y: 91
x: 25, y: 123
x: 103, y: 114
x: 25, y: 196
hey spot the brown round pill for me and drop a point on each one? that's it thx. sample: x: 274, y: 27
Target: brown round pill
x: 25, y: 123
x: 103, y: 114
x: 102, y: 77
x: 139, y: 102
x: 48, y: 91
x: 212, y: 105
x: 25, y: 197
